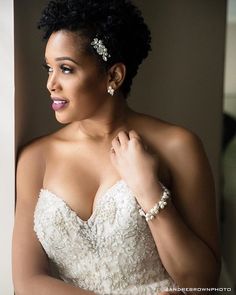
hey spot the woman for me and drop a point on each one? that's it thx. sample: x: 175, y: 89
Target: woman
x: 119, y: 202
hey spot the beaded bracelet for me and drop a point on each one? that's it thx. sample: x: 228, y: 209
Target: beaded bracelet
x: 152, y: 213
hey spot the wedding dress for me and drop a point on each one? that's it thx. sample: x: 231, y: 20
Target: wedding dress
x: 111, y: 253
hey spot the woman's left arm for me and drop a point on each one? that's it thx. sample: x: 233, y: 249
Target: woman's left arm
x: 186, y: 231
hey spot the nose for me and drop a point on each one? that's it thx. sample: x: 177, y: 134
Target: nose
x: 53, y: 83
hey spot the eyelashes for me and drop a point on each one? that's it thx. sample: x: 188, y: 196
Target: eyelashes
x: 46, y: 67
x: 64, y: 69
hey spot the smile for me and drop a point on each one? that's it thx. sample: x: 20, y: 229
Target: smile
x: 59, y: 104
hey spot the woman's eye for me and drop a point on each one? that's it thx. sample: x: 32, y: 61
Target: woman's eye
x: 47, y: 68
x: 66, y: 70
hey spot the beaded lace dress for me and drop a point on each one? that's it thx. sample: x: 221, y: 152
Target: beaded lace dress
x: 111, y: 253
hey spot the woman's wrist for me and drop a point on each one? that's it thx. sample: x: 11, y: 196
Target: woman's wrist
x: 158, y: 206
x: 149, y: 195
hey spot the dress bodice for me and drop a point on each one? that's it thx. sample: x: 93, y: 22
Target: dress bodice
x: 113, y: 252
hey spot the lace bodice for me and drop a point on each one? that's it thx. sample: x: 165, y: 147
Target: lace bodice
x: 111, y: 253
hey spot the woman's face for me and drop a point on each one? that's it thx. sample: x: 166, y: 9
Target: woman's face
x: 76, y: 84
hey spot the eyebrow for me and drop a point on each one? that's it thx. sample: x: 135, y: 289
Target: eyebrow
x: 64, y: 58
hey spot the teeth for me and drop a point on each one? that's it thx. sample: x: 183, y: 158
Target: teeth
x: 60, y: 101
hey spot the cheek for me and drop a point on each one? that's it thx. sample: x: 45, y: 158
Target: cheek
x: 87, y: 95
x: 88, y: 87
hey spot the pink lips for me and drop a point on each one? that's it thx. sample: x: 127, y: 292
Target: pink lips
x: 59, y: 103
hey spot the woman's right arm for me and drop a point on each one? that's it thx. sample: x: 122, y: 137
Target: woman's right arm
x: 31, y: 272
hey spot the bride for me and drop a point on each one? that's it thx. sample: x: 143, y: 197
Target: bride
x: 117, y: 202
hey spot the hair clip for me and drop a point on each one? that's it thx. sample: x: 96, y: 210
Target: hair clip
x: 100, y: 48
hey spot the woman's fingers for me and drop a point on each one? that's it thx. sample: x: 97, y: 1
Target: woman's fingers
x: 115, y: 143
x: 133, y: 134
x: 112, y: 150
x: 123, y: 138
x: 136, y: 140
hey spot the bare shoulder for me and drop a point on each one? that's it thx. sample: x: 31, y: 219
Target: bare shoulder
x: 34, y: 148
x: 180, y: 151
x: 169, y: 138
x: 32, y: 155
x: 36, y: 151
x: 178, y: 142
x: 31, y: 163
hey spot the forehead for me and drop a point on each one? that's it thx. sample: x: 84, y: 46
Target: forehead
x: 65, y: 43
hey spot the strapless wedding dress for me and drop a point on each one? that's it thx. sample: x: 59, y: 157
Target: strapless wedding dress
x: 113, y: 252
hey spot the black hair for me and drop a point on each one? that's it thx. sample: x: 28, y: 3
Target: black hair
x: 118, y: 23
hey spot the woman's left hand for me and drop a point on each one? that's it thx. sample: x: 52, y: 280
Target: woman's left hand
x: 135, y: 165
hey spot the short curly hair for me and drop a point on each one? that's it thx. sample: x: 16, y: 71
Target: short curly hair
x: 118, y: 23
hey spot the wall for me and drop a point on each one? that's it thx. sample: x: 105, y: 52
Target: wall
x: 7, y: 155
x: 229, y: 156
x: 182, y: 81
x: 230, y: 70
x: 34, y: 116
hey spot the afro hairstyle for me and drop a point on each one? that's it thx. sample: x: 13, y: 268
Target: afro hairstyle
x: 118, y: 23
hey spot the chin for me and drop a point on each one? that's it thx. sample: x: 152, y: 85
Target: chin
x: 62, y: 119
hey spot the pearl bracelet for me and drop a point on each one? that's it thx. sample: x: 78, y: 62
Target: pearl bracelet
x: 152, y: 213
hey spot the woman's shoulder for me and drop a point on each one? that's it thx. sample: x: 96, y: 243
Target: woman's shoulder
x: 35, y: 147
x: 166, y: 136
x: 178, y: 148
x: 32, y: 159
x: 35, y: 151
x: 40, y: 145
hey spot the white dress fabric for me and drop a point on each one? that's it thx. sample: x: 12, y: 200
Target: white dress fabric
x: 111, y: 253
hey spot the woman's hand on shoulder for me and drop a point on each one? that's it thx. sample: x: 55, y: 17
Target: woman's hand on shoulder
x: 133, y: 162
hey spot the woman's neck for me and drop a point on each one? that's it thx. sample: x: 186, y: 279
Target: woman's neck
x: 106, y: 123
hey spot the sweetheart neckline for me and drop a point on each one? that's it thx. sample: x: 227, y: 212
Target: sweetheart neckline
x: 98, y: 203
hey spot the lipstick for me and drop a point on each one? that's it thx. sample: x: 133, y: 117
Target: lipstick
x: 59, y: 103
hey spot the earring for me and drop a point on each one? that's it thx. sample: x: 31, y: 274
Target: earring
x: 111, y: 91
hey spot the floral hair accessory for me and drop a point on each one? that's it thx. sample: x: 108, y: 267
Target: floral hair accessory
x: 100, y: 48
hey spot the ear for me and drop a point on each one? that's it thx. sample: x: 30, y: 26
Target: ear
x: 116, y: 75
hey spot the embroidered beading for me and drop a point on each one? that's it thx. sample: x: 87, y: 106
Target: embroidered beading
x: 111, y: 253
